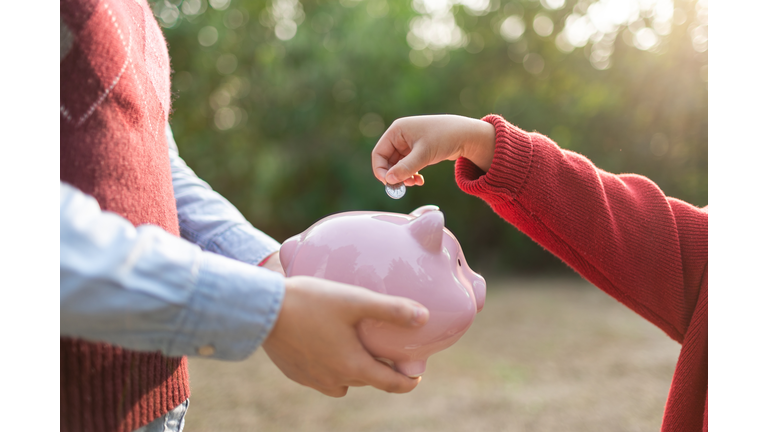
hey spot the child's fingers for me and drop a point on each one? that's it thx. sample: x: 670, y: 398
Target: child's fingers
x: 380, y: 157
x: 399, y: 311
x: 383, y: 377
x: 380, y: 164
x: 336, y: 392
x: 381, y: 154
x: 395, y: 158
x: 390, y: 148
x: 409, y: 165
x: 380, y: 173
x: 415, y: 180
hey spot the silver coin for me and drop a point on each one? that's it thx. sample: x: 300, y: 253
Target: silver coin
x: 395, y: 191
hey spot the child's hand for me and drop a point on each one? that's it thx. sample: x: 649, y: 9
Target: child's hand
x: 412, y: 143
x: 315, y: 342
x: 272, y: 262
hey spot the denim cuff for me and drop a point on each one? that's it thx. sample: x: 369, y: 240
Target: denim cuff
x: 232, y: 310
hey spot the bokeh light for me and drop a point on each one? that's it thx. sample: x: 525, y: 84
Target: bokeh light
x: 603, y: 19
x: 512, y: 28
x: 278, y: 102
x: 659, y: 144
x: 372, y: 125
x: 436, y: 28
x: 645, y: 39
x: 553, y: 4
x: 377, y: 8
x: 284, y: 16
x: 344, y: 90
x: 226, y: 64
x: 193, y: 7
x: 533, y: 63
x: 234, y: 19
x: 543, y: 25
x: 219, y: 4
x: 208, y: 36
x: 225, y: 118
x: 700, y: 37
x: 475, y: 43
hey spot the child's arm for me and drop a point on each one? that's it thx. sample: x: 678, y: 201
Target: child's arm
x: 412, y: 143
x: 618, y: 231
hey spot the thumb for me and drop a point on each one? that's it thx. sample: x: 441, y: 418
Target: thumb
x: 408, y: 166
x: 395, y: 310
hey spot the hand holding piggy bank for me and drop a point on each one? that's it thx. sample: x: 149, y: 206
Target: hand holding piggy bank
x: 411, y: 256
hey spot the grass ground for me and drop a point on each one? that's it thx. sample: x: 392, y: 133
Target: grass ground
x: 544, y: 355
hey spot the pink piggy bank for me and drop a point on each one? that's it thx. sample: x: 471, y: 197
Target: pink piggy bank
x: 412, y: 256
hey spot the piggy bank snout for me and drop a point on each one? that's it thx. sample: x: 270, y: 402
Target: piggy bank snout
x: 478, y: 287
x: 288, y: 251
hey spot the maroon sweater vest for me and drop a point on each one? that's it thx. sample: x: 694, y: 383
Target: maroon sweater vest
x: 115, y: 98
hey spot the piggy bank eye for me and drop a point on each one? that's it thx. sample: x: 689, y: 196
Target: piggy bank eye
x: 459, y: 262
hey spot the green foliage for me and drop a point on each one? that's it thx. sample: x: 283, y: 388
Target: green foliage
x: 284, y: 129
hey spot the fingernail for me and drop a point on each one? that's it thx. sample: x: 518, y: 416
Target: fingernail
x: 391, y: 179
x: 420, y: 315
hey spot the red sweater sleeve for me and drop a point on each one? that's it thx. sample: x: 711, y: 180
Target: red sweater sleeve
x: 620, y: 232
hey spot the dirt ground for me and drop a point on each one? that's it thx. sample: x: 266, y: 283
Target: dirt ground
x: 544, y: 355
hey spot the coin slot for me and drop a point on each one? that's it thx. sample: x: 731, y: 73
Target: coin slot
x: 397, y: 220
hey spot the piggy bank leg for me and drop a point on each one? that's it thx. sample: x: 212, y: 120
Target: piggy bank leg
x: 412, y: 368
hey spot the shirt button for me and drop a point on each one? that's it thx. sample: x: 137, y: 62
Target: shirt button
x: 206, y: 350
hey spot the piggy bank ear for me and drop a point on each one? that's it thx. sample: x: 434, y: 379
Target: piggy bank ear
x: 423, y: 209
x: 427, y: 229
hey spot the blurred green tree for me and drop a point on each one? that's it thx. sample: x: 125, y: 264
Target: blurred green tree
x: 278, y: 103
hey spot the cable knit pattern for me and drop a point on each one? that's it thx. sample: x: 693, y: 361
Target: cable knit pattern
x: 621, y: 233
x: 114, y: 102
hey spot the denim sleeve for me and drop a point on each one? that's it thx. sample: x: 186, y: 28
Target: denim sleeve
x: 207, y: 219
x: 145, y: 289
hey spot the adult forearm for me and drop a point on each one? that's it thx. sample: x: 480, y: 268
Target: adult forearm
x: 145, y: 289
x: 209, y: 220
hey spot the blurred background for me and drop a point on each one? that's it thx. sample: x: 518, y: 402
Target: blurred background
x: 545, y: 354
x: 279, y: 103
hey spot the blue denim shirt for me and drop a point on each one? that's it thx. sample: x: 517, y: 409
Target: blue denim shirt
x: 145, y: 289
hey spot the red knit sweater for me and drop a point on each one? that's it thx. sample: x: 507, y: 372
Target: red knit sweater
x: 621, y: 233
x: 115, y: 97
